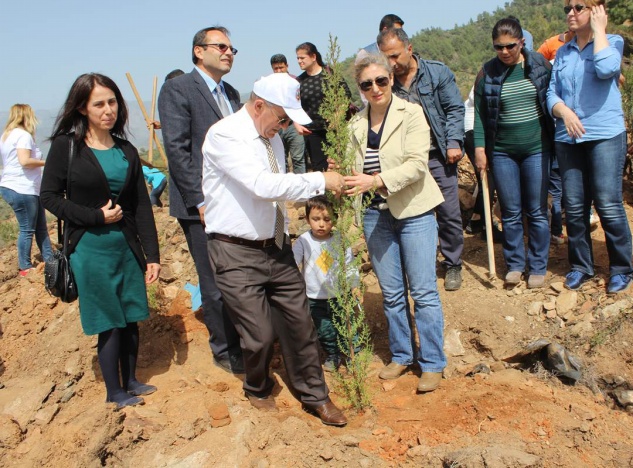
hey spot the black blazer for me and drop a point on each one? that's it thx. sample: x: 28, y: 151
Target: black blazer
x: 89, y: 191
x: 186, y: 110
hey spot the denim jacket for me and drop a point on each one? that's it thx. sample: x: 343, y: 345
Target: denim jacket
x: 442, y: 102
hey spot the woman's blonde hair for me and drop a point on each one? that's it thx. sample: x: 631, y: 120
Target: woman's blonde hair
x: 20, y: 116
x: 589, y: 3
x: 371, y: 59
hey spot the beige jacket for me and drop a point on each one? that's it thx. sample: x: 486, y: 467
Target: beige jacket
x: 404, y: 158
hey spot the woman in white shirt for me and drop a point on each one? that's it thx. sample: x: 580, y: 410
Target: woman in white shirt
x: 20, y: 183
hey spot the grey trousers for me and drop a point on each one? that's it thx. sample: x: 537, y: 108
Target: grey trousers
x: 265, y: 294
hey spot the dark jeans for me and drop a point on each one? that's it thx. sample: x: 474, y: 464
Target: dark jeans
x: 522, y: 182
x: 265, y: 293
x: 469, y: 148
x: 448, y: 213
x: 314, y: 147
x: 321, y: 312
x: 223, y: 339
x: 295, y: 146
x: 593, y: 170
x: 556, y: 191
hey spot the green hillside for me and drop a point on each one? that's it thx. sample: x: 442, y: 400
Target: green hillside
x: 465, y: 48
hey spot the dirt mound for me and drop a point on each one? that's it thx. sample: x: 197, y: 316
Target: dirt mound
x: 487, y: 412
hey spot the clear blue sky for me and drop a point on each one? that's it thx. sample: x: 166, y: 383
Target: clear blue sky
x: 46, y: 44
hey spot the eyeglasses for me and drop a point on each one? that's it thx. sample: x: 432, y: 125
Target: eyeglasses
x: 500, y: 47
x: 221, y: 47
x: 280, y: 120
x: 381, y: 82
x: 578, y: 8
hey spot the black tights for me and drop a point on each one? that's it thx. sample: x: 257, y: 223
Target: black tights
x: 117, y: 350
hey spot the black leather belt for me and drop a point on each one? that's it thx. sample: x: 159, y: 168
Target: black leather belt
x: 256, y: 244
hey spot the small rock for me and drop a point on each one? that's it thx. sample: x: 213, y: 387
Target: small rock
x: 624, y: 397
x: 566, y: 301
x: 452, y: 343
x: 535, y: 308
x: 220, y: 422
x: 349, y: 441
x: 550, y: 305
x: 585, y: 427
x: 327, y: 454
x: 218, y: 411
x: 557, y: 286
x: 388, y: 385
x: 614, y: 309
x: 45, y: 415
x: 497, y: 366
x: 509, y: 318
x: 587, y: 306
x: 170, y: 292
x: 67, y: 395
x: 551, y: 314
x: 418, y: 451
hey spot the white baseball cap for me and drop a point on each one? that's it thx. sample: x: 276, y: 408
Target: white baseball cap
x: 282, y: 90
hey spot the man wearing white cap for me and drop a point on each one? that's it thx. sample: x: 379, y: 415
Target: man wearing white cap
x: 245, y: 187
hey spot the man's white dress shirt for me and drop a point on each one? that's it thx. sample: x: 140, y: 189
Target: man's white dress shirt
x: 238, y: 184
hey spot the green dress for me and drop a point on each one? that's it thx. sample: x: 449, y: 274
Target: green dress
x: 109, y: 279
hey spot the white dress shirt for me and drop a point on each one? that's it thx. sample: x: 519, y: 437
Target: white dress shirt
x: 240, y: 189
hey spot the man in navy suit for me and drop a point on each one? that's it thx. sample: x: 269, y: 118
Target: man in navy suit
x: 188, y: 105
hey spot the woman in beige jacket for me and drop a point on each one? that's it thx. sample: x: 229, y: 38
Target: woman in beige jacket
x: 391, y: 138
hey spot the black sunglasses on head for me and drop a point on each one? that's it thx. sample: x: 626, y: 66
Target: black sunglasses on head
x: 381, y: 82
x: 578, y: 8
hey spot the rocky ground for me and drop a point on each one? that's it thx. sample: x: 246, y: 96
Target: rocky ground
x: 488, y: 412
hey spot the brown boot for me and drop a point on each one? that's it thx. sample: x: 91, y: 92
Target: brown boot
x: 392, y: 371
x: 429, y: 381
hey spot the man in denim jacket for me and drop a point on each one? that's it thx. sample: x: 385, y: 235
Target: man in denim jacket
x: 432, y: 85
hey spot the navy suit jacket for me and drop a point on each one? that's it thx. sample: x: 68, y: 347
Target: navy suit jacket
x: 186, y: 110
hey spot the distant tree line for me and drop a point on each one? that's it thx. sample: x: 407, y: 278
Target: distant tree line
x: 465, y: 48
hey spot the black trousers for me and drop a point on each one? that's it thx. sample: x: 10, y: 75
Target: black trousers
x: 223, y: 337
x: 265, y: 294
x: 448, y: 213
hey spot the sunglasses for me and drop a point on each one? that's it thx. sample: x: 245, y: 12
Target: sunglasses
x: 381, y: 82
x: 578, y: 8
x: 499, y: 47
x: 280, y: 120
x: 221, y: 47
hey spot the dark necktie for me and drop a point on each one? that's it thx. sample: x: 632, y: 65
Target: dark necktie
x: 279, y: 216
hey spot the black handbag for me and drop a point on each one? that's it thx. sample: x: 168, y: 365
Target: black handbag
x: 58, y: 276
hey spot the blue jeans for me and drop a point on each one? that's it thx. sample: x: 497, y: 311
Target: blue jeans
x: 556, y: 191
x: 154, y: 195
x: 522, y: 182
x: 402, y: 252
x: 31, y: 221
x: 593, y: 171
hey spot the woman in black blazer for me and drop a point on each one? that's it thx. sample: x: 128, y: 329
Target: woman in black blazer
x: 112, y: 239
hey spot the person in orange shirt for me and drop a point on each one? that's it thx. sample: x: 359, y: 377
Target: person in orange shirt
x: 551, y: 45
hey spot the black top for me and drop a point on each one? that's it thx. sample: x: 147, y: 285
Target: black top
x: 89, y: 191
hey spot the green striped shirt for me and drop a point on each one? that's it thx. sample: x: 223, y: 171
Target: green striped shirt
x: 521, y: 121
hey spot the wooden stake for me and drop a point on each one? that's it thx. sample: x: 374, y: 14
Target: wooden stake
x: 142, y: 106
x: 150, y: 154
x: 488, y: 218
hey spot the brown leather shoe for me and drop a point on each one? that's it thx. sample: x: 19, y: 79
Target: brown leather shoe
x: 392, y: 371
x: 263, y: 404
x: 429, y: 381
x: 329, y: 414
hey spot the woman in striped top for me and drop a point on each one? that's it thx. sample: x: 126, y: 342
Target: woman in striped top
x: 391, y: 140
x: 514, y: 135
